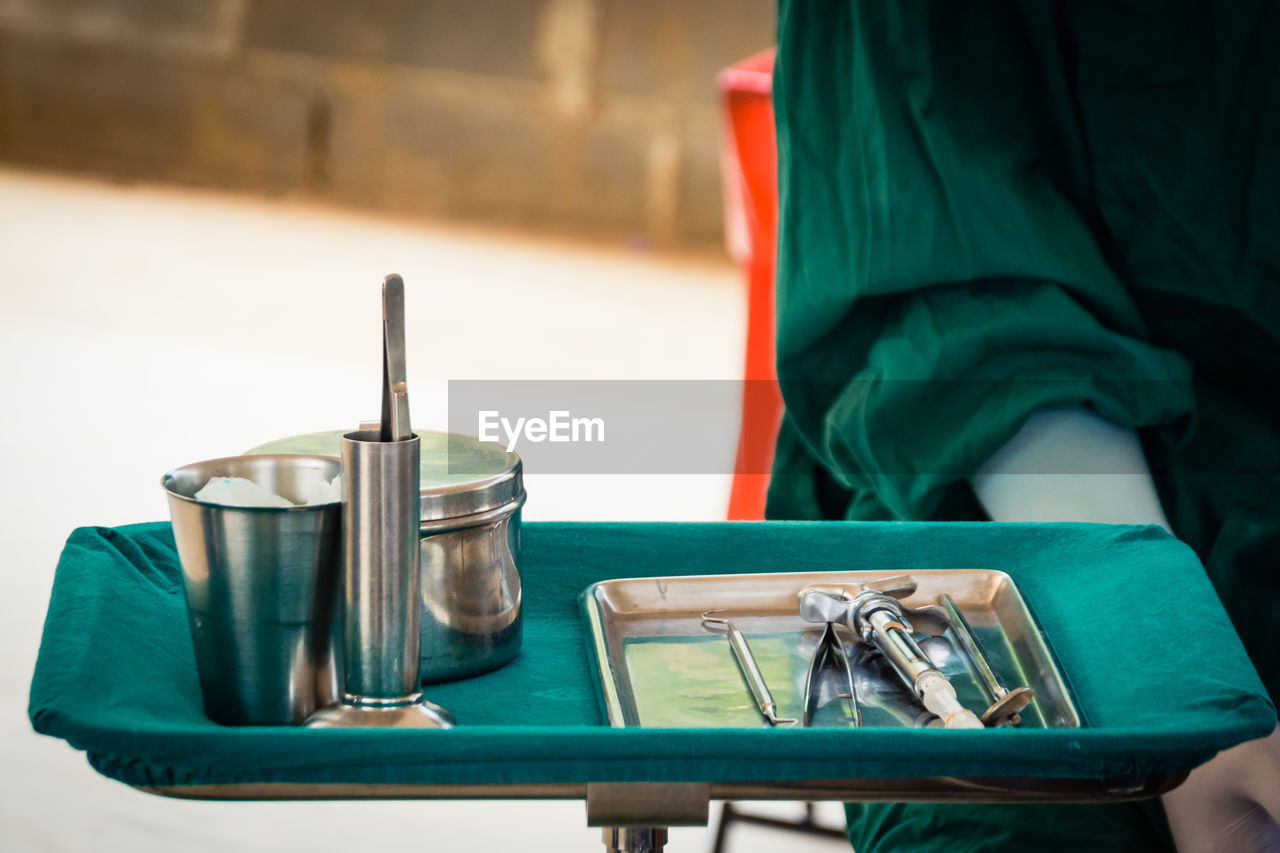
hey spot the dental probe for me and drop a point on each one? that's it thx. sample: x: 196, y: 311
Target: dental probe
x: 750, y: 670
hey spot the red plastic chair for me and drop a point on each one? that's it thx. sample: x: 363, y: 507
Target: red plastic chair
x: 748, y: 159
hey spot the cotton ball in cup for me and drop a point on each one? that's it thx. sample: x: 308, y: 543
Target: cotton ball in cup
x: 322, y: 492
x: 239, y: 491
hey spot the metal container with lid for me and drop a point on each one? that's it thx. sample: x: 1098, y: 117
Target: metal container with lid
x: 472, y: 492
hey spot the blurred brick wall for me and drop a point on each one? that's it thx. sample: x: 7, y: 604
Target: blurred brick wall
x: 594, y: 116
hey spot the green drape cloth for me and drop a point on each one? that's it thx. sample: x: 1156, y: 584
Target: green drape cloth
x: 993, y: 208
x: 116, y: 673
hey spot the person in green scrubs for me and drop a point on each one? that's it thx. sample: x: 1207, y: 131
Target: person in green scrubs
x: 994, y: 210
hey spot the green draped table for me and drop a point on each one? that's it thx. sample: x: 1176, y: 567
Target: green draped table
x: 1159, y: 675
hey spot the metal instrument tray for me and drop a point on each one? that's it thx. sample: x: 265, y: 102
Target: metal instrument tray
x: 659, y: 667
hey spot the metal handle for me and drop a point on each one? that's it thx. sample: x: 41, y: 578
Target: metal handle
x: 750, y: 669
x: 395, y: 391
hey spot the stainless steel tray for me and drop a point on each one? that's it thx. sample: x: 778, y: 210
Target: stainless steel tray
x: 659, y: 667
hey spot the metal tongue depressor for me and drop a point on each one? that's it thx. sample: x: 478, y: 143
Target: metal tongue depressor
x: 380, y: 586
x: 750, y: 669
x: 876, y: 616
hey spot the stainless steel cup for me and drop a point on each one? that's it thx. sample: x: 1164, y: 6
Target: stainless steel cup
x: 260, y: 586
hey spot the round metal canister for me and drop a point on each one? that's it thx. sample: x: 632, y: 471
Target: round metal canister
x: 472, y: 492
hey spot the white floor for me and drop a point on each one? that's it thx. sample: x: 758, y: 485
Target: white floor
x: 143, y: 327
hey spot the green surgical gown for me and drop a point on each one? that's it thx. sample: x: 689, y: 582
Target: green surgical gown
x: 993, y: 208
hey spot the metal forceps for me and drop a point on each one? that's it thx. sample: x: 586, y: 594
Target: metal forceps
x: 830, y: 656
x: 750, y: 670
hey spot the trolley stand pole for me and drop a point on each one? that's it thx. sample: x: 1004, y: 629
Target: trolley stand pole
x: 635, y: 839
